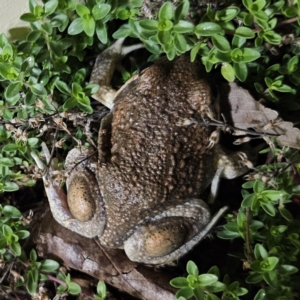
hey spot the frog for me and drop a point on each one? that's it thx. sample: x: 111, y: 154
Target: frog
x: 141, y: 189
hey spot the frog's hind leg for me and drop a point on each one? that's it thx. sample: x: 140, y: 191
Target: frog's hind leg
x: 81, y: 210
x: 104, y: 68
x: 170, y: 235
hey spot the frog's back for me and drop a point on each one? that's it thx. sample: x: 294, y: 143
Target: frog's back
x: 155, y: 162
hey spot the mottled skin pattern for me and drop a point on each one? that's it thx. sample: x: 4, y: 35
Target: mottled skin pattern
x: 155, y: 164
x: 142, y: 189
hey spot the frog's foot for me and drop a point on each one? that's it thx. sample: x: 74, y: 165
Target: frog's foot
x: 213, y: 139
x: 104, y: 68
x: 170, y: 235
x: 229, y: 165
x: 234, y: 164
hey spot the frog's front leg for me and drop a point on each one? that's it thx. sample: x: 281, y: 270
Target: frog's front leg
x: 81, y: 210
x: 104, y: 68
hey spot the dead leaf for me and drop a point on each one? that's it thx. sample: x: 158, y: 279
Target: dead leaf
x: 246, y: 113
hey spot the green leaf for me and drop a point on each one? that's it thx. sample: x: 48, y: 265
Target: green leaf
x: 152, y: 47
x: 89, y: 26
x: 228, y: 72
x: 63, y: 87
x: 99, y: 11
x: 47, y: 28
x: 38, y: 90
x: 241, y: 71
x: 84, y: 105
x: 257, y: 5
x: 74, y: 288
x: 198, y: 293
x: 50, y: 7
x: 10, y: 147
x: 150, y: 25
x: 7, y: 71
x: 269, y: 263
x: 269, y: 209
x: 123, y: 31
x: 7, y: 114
x: 254, y: 278
x: 261, y: 295
x: 238, y: 42
x: 285, y: 214
x: 185, y: 292
x: 82, y: 10
x: 32, y: 142
x: 208, y: 29
x: 244, y: 55
x: 7, y: 231
x: 28, y: 17
x: 23, y: 234
x: 244, y: 32
x: 15, y: 248
x: 163, y: 37
x: 11, y: 212
x: 49, y: 265
x: 258, y: 186
x: 101, y: 32
x: 101, y: 288
x: 272, y: 37
x: 7, y: 162
x: 123, y: 14
x: 12, y: 91
x: 165, y: 25
x: 33, y: 256
x: 207, y: 279
x: 181, y: 10
x: 289, y: 269
x: 60, y: 20
x: 43, y: 78
x: 31, y: 281
x: 183, y: 27
x: 270, y: 278
x: 76, y: 27
x: 192, y: 269
x: 179, y: 282
x: 70, y: 103
x: 166, y: 12
x: 221, y: 43
x: 260, y: 252
x: 216, y: 287
x: 27, y: 65
x: 180, y: 43
x: 227, y: 14
x: 228, y: 235
x: 10, y: 187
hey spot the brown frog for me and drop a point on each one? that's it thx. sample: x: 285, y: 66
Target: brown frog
x: 142, y: 192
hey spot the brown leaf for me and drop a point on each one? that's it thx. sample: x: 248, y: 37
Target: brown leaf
x: 247, y: 113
